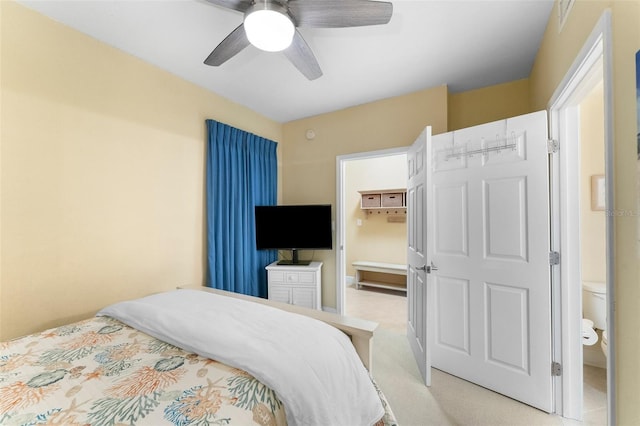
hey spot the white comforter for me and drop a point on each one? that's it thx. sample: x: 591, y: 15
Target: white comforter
x: 312, y: 366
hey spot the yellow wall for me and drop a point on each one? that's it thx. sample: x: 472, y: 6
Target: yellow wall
x: 309, y: 167
x: 592, y: 222
x: 101, y: 174
x: 376, y: 239
x: 102, y: 165
x: 557, y: 52
x: 488, y: 104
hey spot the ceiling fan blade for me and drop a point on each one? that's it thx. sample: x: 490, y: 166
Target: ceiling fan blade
x: 300, y: 55
x: 339, y: 13
x: 229, y: 47
x: 239, y: 5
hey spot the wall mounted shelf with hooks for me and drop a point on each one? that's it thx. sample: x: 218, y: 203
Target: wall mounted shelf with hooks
x: 388, y: 201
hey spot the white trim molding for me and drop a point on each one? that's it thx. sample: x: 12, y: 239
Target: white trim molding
x: 564, y: 7
x: 340, y: 215
x: 592, y: 65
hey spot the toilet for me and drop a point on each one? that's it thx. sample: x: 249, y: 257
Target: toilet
x: 594, y: 308
x: 589, y: 335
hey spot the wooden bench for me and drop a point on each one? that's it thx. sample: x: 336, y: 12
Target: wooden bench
x: 391, y: 276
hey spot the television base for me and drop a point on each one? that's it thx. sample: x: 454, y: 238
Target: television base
x: 296, y: 263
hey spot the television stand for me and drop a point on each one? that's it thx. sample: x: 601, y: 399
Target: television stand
x: 296, y: 284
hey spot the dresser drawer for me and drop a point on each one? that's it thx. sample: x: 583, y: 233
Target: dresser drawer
x: 300, y: 278
x: 276, y: 276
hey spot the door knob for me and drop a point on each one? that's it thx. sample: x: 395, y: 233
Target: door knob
x: 431, y: 268
x: 422, y: 268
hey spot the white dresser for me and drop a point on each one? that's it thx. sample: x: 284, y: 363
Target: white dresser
x: 295, y: 284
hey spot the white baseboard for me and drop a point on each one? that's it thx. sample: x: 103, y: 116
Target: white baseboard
x: 329, y: 309
x: 349, y: 280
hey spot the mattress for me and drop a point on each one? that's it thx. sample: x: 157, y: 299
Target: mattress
x: 102, y: 371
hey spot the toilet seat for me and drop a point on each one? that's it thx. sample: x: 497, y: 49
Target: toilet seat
x: 589, y: 335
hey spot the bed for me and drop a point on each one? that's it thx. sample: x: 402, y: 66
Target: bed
x: 189, y: 357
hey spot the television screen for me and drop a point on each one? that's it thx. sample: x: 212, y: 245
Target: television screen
x: 293, y: 227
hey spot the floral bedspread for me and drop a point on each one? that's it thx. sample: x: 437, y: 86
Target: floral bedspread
x: 102, y: 372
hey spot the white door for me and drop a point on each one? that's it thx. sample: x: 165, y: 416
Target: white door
x: 490, y: 243
x: 417, y: 290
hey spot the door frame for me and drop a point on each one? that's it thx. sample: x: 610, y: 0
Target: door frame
x: 341, y: 161
x: 592, y: 64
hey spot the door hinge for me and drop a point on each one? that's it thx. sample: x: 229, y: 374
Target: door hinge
x: 554, y: 258
x: 556, y: 369
x: 553, y: 146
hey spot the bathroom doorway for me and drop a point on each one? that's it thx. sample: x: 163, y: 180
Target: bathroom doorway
x: 581, y: 196
x: 593, y: 263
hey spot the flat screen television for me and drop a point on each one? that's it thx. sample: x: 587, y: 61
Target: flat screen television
x: 294, y: 227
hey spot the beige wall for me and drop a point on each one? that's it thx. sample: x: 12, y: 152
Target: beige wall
x: 557, y: 52
x: 102, y: 164
x: 488, y: 104
x: 592, y: 222
x: 375, y: 239
x: 101, y: 173
x: 309, y: 167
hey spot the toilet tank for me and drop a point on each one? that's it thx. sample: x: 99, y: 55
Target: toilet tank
x: 594, y: 303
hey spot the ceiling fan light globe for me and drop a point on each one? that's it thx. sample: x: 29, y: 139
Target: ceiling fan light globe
x: 269, y: 30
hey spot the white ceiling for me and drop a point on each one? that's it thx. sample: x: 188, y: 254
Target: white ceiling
x: 463, y: 44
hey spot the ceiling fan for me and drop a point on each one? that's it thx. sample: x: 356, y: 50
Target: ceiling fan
x: 271, y: 25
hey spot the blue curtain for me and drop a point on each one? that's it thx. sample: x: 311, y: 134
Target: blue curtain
x: 242, y: 173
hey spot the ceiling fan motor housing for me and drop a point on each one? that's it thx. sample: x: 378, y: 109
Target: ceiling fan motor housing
x: 269, y: 26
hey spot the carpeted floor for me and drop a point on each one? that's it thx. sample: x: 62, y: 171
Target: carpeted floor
x: 449, y: 400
